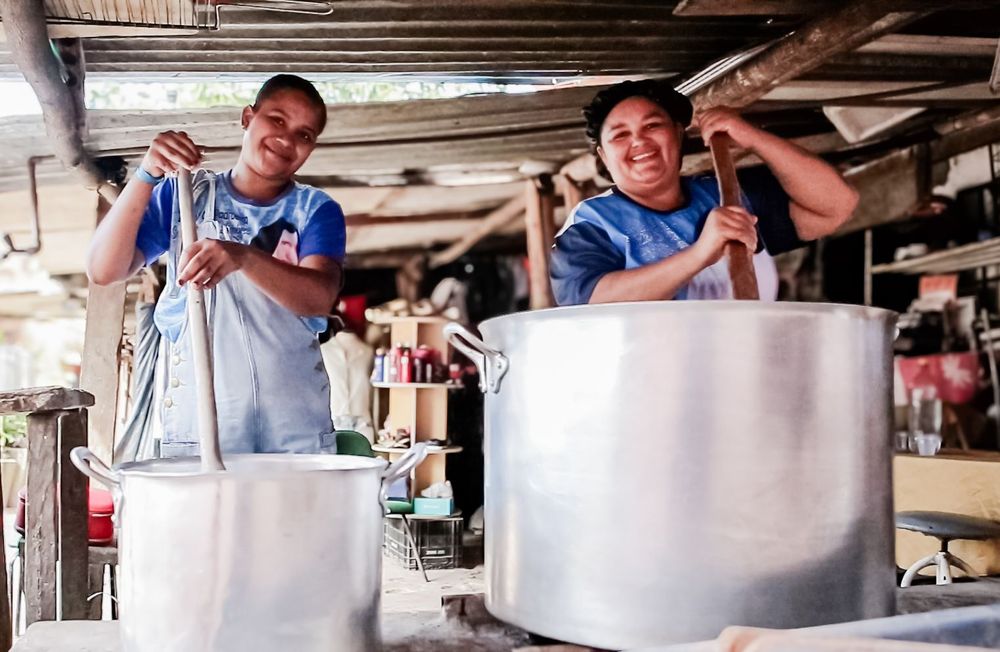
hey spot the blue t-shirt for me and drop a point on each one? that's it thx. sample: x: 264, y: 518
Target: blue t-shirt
x: 612, y: 232
x: 302, y: 221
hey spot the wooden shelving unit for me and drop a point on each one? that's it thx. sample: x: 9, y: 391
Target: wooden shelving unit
x: 422, y: 408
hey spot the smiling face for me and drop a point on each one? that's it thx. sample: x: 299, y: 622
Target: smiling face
x: 641, y: 147
x: 280, y: 134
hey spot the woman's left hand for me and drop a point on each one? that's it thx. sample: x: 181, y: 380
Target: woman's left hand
x: 206, y: 262
x: 727, y: 121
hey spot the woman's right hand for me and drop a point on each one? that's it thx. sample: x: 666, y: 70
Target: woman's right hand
x: 169, y: 152
x: 723, y: 225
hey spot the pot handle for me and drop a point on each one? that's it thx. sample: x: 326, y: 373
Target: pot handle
x: 492, y: 364
x: 92, y: 467
x: 401, y: 467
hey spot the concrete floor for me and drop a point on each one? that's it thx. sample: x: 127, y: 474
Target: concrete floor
x: 413, y: 620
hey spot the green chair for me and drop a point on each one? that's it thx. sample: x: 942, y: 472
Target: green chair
x: 350, y: 442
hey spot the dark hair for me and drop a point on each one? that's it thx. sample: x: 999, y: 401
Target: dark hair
x: 285, y: 82
x: 658, y: 91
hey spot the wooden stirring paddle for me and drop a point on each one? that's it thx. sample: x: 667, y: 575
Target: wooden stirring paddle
x: 741, y: 270
x: 208, y: 421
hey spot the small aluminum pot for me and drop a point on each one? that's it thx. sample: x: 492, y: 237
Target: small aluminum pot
x: 278, y: 552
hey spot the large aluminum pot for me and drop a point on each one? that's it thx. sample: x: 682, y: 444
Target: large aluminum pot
x: 278, y: 552
x: 658, y: 471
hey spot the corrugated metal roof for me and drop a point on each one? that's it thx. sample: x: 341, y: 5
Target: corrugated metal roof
x: 941, y: 63
x: 482, y: 39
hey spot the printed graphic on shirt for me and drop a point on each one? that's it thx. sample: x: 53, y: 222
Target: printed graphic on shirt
x: 232, y: 227
x: 279, y: 239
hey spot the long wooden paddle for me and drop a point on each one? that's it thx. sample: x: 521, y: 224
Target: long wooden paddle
x: 208, y: 421
x: 740, y: 259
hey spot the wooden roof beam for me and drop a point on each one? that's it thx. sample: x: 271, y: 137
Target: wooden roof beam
x: 61, y: 102
x: 498, y: 219
x: 842, y: 30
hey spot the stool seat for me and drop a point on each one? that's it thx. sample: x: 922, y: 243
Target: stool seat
x: 943, y: 525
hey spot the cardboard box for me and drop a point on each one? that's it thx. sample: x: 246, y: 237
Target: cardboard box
x: 433, y: 506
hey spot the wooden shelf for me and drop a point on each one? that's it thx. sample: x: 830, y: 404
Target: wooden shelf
x: 416, y: 385
x: 416, y: 407
x: 956, y: 259
x: 437, y: 450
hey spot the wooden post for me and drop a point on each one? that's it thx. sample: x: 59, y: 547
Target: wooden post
x: 410, y: 276
x: 100, y: 364
x: 41, y: 519
x: 572, y: 193
x: 540, y: 228
x: 73, y: 517
x: 56, y: 517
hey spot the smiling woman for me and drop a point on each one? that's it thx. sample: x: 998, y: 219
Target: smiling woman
x: 656, y: 235
x: 270, y: 251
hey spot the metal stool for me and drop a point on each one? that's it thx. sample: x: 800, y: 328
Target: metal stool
x: 945, y: 527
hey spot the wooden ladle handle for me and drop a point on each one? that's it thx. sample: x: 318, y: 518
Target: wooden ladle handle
x: 201, y: 350
x: 740, y: 259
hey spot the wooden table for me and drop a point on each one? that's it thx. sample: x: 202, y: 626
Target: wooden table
x: 962, y: 482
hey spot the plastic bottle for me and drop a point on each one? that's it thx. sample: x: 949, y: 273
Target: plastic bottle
x: 925, y: 413
x: 405, y: 365
x: 393, y: 376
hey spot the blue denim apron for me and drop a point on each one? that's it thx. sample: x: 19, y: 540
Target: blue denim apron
x: 272, y: 391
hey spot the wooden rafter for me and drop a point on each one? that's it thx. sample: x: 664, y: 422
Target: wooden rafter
x: 805, y: 49
x: 495, y: 221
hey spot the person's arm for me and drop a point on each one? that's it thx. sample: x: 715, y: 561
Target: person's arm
x: 820, y: 200
x: 114, y: 254
x: 308, y: 289
x: 663, y: 279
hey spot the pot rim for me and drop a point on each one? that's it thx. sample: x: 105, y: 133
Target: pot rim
x: 781, y: 307
x: 190, y: 467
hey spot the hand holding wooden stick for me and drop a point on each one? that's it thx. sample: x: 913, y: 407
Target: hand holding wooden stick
x: 741, y: 270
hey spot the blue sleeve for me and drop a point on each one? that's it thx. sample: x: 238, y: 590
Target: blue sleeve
x: 769, y: 202
x: 324, y: 233
x: 153, y: 238
x: 582, y: 254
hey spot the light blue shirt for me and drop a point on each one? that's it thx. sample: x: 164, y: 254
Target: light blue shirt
x: 272, y: 390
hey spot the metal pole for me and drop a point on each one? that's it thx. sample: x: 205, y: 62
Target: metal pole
x: 868, y: 267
